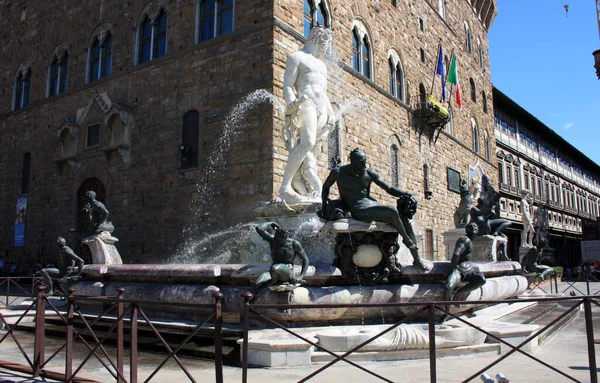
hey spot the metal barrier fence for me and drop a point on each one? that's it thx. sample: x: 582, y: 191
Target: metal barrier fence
x: 19, y: 289
x: 421, y: 307
x: 127, y: 314
x: 126, y: 311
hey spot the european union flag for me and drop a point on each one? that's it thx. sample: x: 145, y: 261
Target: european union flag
x: 440, y: 71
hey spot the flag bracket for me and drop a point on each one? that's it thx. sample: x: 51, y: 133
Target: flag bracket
x: 430, y: 117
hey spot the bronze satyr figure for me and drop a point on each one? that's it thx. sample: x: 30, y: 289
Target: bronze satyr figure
x: 98, y: 214
x: 284, y: 251
x: 462, y: 268
x: 354, y: 183
x: 70, y: 268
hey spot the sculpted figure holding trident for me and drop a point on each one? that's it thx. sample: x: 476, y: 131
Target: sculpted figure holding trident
x: 308, y: 116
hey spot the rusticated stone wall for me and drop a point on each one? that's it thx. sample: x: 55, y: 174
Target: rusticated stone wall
x: 148, y: 194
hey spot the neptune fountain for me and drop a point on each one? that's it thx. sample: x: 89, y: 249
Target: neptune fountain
x: 354, y: 251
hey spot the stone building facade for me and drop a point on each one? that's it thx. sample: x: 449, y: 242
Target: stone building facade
x: 533, y: 157
x: 143, y: 101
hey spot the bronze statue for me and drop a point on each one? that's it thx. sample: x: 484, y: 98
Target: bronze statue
x: 541, y: 227
x: 487, y: 212
x: 284, y: 251
x: 530, y: 263
x: 98, y: 214
x: 70, y: 269
x: 354, y: 184
x: 462, y: 268
x: 461, y: 215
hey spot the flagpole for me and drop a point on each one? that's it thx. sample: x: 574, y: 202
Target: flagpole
x: 436, y: 67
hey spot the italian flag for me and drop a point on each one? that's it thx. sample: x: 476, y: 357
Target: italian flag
x: 453, y: 79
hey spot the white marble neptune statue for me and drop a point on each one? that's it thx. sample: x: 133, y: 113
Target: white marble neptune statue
x: 527, y: 234
x: 308, y: 117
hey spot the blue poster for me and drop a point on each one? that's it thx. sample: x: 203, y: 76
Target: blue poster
x: 20, y: 222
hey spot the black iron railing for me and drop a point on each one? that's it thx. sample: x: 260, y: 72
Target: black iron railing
x: 257, y: 311
x: 122, y: 314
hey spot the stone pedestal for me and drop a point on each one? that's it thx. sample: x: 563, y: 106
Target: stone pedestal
x: 103, y: 250
x: 450, y: 238
x: 485, y: 248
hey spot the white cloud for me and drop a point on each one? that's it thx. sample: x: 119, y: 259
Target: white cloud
x: 568, y: 125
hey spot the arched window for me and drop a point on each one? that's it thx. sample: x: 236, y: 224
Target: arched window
x: 152, y: 37
x: 189, y: 139
x: 474, y: 136
x: 25, y: 173
x: 315, y: 13
x: 480, y: 54
x: 57, y: 74
x: 468, y: 38
x: 396, y: 79
x: 22, y: 87
x: 355, y: 50
x: 213, y: 18
x: 394, y: 164
x: 473, y: 90
x: 100, y: 58
x: 365, y: 58
x: 361, y: 53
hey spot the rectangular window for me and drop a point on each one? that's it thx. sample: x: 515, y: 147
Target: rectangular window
x: 93, y: 135
x: 421, y: 24
x: 189, y: 140
x: 225, y: 17
x: 107, y: 57
x: 422, y: 55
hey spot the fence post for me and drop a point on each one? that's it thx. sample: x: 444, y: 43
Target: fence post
x: 7, y: 291
x: 120, y: 318
x: 247, y: 295
x: 587, y: 280
x: 133, y: 344
x: 589, y: 329
x: 69, y: 346
x: 218, y: 336
x: 40, y: 331
x: 432, y: 361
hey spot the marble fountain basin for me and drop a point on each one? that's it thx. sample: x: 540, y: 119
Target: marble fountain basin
x: 403, y: 337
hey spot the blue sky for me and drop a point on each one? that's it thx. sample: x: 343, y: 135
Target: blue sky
x: 543, y: 60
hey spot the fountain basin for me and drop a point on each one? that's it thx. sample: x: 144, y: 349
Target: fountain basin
x: 403, y: 337
x: 245, y: 275
x: 197, y: 283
